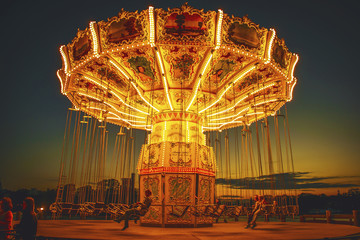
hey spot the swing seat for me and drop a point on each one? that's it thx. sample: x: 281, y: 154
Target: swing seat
x: 218, y: 211
x: 178, y: 214
x: 235, y: 211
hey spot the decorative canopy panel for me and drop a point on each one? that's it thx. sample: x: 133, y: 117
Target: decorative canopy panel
x: 135, y: 66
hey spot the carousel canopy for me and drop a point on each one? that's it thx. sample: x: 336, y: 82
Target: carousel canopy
x: 138, y: 66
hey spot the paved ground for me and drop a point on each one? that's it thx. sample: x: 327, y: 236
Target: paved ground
x: 102, y: 229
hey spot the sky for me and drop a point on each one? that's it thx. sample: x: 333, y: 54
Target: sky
x: 324, y: 114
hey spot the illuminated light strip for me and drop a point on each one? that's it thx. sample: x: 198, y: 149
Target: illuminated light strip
x: 91, y: 79
x: 95, y: 39
x: 97, y: 108
x: 152, y: 26
x: 218, y: 29
x: 122, y: 101
x: 293, y: 67
x: 113, y: 118
x: 224, y: 123
x: 263, y: 88
x: 242, y: 99
x: 128, y: 121
x: 233, y: 116
x: 89, y: 96
x: 233, y: 121
x: 65, y: 59
x: 164, y: 80
x: 116, y: 65
x: 141, y: 126
x: 268, y: 54
x: 118, y: 117
x: 60, y: 79
x: 124, y: 113
x: 212, y: 128
x: 267, y: 101
x: 199, y: 81
x: 254, y: 113
x: 142, y: 97
x: 100, y: 85
x: 161, y: 66
x: 249, y: 114
x: 291, y: 90
x: 222, y: 94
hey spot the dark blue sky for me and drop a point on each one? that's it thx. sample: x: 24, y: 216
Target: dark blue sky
x: 324, y: 115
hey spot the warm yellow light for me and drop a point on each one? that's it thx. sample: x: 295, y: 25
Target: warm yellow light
x: 164, y: 144
x: 89, y: 96
x: 291, y: 90
x: 61, y: 81
x: 160, y: 62
x: 95, y: 39
x: 187, y: 131
x: 269, y: 46
x: 65, y: 60
x: 218, y: 29
x: 245, y: 71
x: 293, y: 67
x: 152, y: 26
x: 124, y: 113
x: 142, y: 97
x: 164, y: 80
x: 123, y: 102
x: 116, y: 65
x: 232, y: 116
x: 198, y: 82
x: 242, y: 99
x: 93, y: 80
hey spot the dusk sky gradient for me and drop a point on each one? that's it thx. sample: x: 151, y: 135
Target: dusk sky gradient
x: 324, y: 115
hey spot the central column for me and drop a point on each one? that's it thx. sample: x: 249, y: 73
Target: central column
x: 179, y: 169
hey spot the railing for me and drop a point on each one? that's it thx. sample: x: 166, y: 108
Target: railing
x: 351, y: 219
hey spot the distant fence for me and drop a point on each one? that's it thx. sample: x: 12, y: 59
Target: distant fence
x: 351, y: 219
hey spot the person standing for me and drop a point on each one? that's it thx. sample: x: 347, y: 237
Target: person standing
x: 6, y: 217
x: 27, y: 227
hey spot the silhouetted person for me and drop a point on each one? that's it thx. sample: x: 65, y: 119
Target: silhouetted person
x: 260, y: 202
x: 6, y: 217
x: 27, y: 227
x: 139, y: 209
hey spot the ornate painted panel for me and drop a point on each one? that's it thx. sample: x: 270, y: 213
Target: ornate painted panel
x: 185, y: 24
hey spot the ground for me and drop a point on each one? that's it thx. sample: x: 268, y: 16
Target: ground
x: 106, y: 229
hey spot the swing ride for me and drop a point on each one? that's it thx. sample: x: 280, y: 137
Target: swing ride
x: 207, y: 89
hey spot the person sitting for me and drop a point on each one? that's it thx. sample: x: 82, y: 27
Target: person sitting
x: 6, y: 217
x: 27, y: 227
x: 258, y: 208
x: 138, y: 209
